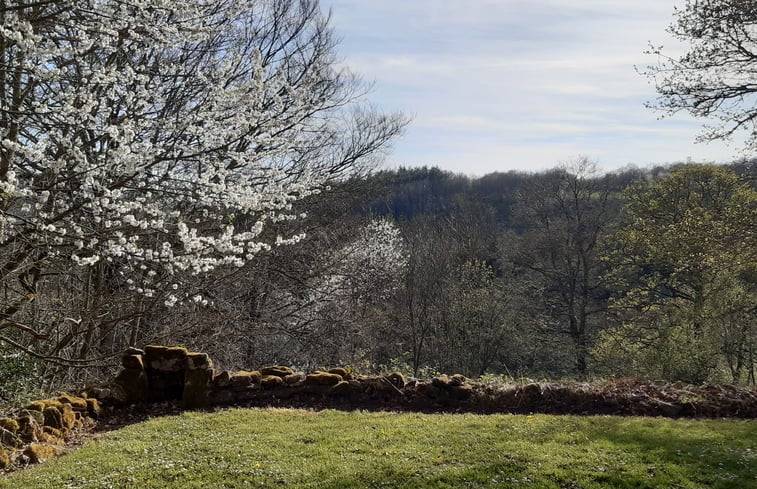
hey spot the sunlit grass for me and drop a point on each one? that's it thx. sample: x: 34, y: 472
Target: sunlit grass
x: 330, y: 449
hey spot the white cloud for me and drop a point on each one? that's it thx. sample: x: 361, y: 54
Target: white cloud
x: 517, y: 82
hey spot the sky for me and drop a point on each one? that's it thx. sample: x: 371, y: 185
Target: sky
x: 498, y: 85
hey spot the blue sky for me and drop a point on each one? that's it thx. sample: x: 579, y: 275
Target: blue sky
x: 495, y: 85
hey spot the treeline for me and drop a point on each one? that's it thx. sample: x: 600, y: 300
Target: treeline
x: 572, y: 272
x: 566, y: 273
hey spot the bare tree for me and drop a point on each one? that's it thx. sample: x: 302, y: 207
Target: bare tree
x: 563, y: 214
x: 715, y: 78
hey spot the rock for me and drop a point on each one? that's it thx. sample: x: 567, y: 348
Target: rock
x: 223, y: 396
x: 221, y: 379
x: 53, y: 418
x: 29, y: 429
x: 76, y: 403
x: 295, y: 378
x: 166, y: 358
x: 242, y: 380
x: 54, y: 433
x: 277, y: 370
x: 5, y: 459
x: 135, y: 384
x: 461, y: 392
x: 35, y: 415
x: 397, y: 379
x: 9, y: 438
x: 271, y: 381
x: 9, y: 424
x: 346, y: 388
x: 133, y: 361
x: 199, y: 361
x: 196, y: 388
x: 38, y: 452
x: 322, y: 378
x: 339, y: 371
x: 93, y: 408
x: 669, y: 410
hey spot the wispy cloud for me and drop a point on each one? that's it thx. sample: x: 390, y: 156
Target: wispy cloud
x: 498, y: 84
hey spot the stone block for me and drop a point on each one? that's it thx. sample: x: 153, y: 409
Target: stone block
x: 53, y: 418
x: 5, y: 459
x: 9, y: 424
x: 322, y: 378
x: 93, y: 408
x: 271, y: 382
x: 134, y: 383
x: 9, y: 438
x: 196, y: 388
x: 221, y: 379
x: 135, y: 362
x: 276, y: 370
x: 39, y: 452
x: 242, y: 380
x: 295, y: 378
x: 76, y: 403
x: 196, y: 361
x: 166, y: 358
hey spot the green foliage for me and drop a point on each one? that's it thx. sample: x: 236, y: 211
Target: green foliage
x: 18, y: 377
x: 682, y: 265
x: 305, y: 449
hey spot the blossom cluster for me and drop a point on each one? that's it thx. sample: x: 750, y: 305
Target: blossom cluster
x: 155, y: 136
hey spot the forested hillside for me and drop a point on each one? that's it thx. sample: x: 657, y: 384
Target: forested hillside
x: 566, y: 273
x: 206, y: 174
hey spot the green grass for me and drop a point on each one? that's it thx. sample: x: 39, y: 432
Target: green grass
x: 330, y: 449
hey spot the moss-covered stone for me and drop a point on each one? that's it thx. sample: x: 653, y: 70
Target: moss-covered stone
x: 426, y: 389
x: 295, y: 378
x: 135, y: 384
x: 135, y: 362
x: 76, y: 403
x: 53, y: 431
x: 277, y: 370
x: 271, y: 382
x: 69, y: 417
x: 441, y: 382
x: 342, y: 372
x: 9, y: 424
x: 166, y: 358
x: 221, y: 379
x: 198, y: 361
x: 196, y: 388
x: 322, y: 378
x: 29, y: 429
x: 36, y: 406
x: 243, y: 380
x: 5, y: 459
x: 346, y: 388
x: 397, y: 379
x: 9, y: 438
x: 38, y: 452
x: 35, y: 415
x: 461, y: 392
x: 93, y: 408
x: 53, y: 418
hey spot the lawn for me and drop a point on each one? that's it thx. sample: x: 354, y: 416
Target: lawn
x: 333, y: 449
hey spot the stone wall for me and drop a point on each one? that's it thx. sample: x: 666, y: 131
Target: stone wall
x: 161, y: 373
x: 39, y: 431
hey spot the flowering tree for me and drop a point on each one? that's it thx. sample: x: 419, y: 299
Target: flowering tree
x: 146, y: 141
